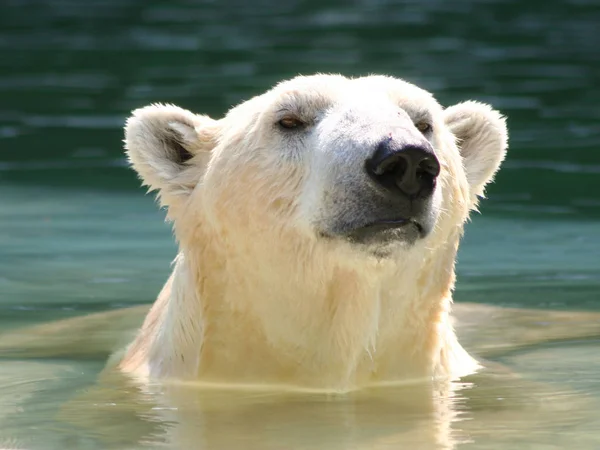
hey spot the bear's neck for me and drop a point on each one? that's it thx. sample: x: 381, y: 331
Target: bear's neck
x: 224, y: 319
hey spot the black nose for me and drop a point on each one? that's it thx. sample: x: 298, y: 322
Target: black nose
x: 410, y: 169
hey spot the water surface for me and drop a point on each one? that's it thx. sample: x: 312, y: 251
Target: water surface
x: 77, y: 234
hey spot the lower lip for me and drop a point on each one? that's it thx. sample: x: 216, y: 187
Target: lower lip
x: 398, y: 223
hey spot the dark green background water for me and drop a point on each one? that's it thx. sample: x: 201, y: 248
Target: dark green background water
x: 76, y: 230
x: 78, y: 235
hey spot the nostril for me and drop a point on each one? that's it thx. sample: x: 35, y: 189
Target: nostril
x: 428, y: 167
x: 387, y: 165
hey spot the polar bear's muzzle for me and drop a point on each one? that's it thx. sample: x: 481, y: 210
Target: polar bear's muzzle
x: 393, y: 201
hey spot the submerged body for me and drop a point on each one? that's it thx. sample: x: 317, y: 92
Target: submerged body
x: 318, y: 227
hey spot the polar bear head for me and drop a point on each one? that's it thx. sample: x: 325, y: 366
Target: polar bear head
x: 362, y: 168
x: 318, y: 226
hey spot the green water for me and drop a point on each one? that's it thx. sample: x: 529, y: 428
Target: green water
x: 77, y: 234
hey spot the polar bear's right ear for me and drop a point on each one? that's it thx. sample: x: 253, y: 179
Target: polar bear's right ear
x: 165, y: 143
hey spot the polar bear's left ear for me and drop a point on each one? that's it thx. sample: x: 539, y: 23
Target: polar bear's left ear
x: 482, y: 139
x: 169, y: 146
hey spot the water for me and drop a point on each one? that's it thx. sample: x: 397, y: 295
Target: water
x: 78, y: 236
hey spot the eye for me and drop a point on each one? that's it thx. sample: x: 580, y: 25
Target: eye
x: 291, y: 122
x: 424, y: 127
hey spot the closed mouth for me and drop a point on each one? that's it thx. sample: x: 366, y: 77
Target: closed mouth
x: 382, y: 232
x: 382, y: 225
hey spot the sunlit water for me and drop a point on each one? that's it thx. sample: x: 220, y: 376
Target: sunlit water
x: 77, y: 236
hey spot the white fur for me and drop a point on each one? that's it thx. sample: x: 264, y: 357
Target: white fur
x: 148, y: 133
x: 482, y: 140
x: 257, y: 296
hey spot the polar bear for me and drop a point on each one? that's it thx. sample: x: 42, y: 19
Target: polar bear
x: 318, y: 226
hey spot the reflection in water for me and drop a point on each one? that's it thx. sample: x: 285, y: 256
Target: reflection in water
x: 493, y: 408
x: 190, y: 417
